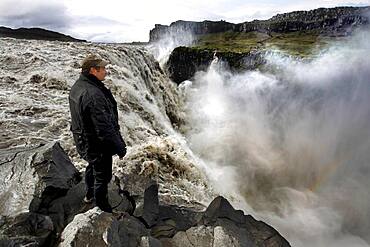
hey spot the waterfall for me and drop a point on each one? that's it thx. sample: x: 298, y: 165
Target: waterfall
x: 288, y: 143
x: 35, y: 79
x: 291, y: 140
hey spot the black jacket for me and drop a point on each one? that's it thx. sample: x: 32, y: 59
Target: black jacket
x: 94, y: 116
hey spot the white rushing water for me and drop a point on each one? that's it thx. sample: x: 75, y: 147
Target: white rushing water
x: 162, y: 48
x: 288, y: 144
x: 35, y: 77
x: 293, y: 141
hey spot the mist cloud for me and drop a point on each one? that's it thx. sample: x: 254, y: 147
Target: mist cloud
x: 294, y: 142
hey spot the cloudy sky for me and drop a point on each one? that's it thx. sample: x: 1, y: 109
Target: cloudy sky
x: 126, y: 21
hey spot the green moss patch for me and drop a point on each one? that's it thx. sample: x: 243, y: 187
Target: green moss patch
x: 300, y: 43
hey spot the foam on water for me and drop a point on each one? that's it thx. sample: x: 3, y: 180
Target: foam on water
x: 288, y: 144
x: 35, y: 78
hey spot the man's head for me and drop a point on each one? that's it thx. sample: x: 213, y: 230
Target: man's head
x: 95, y: 65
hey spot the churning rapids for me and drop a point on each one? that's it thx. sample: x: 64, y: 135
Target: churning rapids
x: 288, y: 143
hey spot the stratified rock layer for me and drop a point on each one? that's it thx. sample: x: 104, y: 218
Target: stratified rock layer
x: 327, y: 19
x: 184, y: 62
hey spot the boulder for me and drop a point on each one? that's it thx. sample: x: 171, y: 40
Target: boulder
x: 25, y: 229
x: 222, y: 225
x: 164, y: 220
x: 151, y: 205
x: 42, y: 204
x: 88, y: 229
x: 98, y: 228
x: 62, y: 210
x: 33, y: 177
x: 221, y: 208
x: 127, y: 231
x: 184, y: 218
x: 195, y: 236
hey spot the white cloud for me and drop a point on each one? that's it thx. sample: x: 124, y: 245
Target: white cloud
x: 37, y: 13
x: 122, y: 21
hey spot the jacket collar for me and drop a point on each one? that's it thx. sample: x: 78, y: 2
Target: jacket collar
x: 96, y: 82
x: 92, y: 80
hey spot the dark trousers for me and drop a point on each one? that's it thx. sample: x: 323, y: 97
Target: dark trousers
x: 97, y: 177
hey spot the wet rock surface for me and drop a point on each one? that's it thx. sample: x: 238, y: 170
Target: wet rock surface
x: 222, y: 225
x: 32, y: 177
x: 51, y: 212
x: 25, y: 229
x: 184, y: 62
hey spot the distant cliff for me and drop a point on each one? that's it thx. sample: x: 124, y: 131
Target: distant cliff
x: 240, y: 46
x: 326, y: 19
x: 189, y: 26
x: 36, y: 33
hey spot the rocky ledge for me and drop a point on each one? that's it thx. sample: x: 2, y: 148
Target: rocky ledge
x: 41, y: 205
x: 251, y: 38
x: 36, y: 33
x: 328, y: 19
x: 184, y: 62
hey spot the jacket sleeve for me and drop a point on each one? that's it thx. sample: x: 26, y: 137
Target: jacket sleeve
x: 102, y: 119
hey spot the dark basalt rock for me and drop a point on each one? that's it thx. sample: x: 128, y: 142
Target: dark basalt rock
x: 44, y: 181
x: 151, y: 205
x: 219, y: 225
x: 221, y: 208
x: 36, y: 33
x: 184, y: 62
x: 326, y: 19
x: 222, y: 225
x: 63, y: 209
x: 97, y: 228
x: 33, y: 177
x: 25, y: 229
x: 49, y: 186
x: 197, y: 28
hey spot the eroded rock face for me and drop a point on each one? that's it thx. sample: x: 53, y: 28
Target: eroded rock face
x: 25, y: 229
x: 327, y: 19
x: 222, y: 225
x: 98, y: 228
x: 33, y: 177
x: 42, y: 192
x: 47, y: 194
x: 184, y: 62
x: 161, y: 31
x: 219, y: 225
x: 88, y: 229
x: 169, y: 225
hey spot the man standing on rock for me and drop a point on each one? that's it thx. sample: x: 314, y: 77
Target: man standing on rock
x: 95, y: 129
